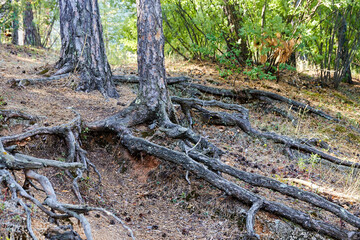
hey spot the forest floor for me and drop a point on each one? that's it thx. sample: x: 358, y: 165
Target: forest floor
x: 153, y: 197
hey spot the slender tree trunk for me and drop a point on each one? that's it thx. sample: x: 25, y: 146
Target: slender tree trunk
x: 345, y: 51
x: 82, y: 46
x: 235, y: 21
x: 15, y: 32
x: 32, y: 36
x: 153, y: 88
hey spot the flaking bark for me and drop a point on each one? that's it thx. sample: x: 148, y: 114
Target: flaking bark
x: 151, y: 67
x: 82, y: 46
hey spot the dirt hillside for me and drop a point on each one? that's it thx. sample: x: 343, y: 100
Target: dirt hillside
x: 153, y: 197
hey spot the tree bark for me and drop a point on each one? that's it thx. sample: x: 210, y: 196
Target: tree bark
x: 32, y: 36
x: 15, y: 32
x: 82, y: 46
x: 153, y: 92
x: 235, y: 21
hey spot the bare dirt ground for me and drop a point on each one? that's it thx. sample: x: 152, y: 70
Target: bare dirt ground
x: 153, y: 197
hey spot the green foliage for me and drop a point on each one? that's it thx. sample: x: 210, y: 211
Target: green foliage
x: 2, y: 207
x: 194, y: 28
x: 287, y: 67
x: 2, y: 101
x: 45, y: 12
x: 257, y: 72
x: 226, y: 32
x: 119, y: 29
x: 333, y: 31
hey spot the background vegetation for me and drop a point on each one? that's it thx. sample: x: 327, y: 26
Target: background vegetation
x: 254, y: 37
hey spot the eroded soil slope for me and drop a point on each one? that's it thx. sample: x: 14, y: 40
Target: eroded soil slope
x: 153, y: 197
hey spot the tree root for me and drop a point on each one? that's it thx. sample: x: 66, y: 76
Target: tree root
x: 241, y: 119
x: 135, y: 144
x: 6, y: 114
x: 262, y: 181
x: 135, y: 79
x: 70, y: 132
x: 76, y: 160
x: 25, y: 82
x: 285, y: 114
x: 178, y: 132
x: 250, y: 220
x: 244, y: 95
x: 193, y: 161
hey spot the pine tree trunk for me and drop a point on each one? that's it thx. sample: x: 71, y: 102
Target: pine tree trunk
x: 15, y: 32
x: 32, y: 36
x: 153, y: 88
x: 82, y: 46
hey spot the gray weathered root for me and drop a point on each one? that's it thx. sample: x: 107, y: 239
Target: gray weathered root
x: 250, y: 220
x: 243, y: 95
x: 28, y: 81
x: 241, y: 119
x: 205, y: 167
x: 199, y: 156
x: 76, y: 161
x: 140, y: 145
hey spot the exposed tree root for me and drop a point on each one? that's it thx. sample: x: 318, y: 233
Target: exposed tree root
x: 77, y: 161
x: 243, y: 95
x: 199, y: 156
x: 246, y: 95
x: 271, y: 108
x: 6, y: 114
x: 191, y: 162
x: 136, y: 145
x: 29, y: 81
x: 135, y: 79
x: 241, y: 119
x: 262, y: 181
x: 250, y: 220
